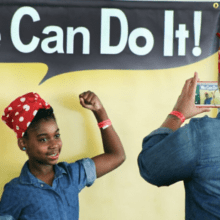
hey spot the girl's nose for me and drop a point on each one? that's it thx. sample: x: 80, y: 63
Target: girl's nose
x: 54, y: 143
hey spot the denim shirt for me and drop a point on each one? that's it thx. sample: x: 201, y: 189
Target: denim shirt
x: 28, y: 198
x: 191, y: 154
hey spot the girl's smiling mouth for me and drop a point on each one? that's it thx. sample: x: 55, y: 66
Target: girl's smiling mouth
x: 54, y: 156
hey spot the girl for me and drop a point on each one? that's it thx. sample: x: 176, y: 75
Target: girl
x: 46, y: 189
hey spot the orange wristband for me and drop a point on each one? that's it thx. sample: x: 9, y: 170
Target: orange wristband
x: 179, y: 115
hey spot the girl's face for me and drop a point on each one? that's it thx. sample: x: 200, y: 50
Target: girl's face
x: 43, y: 144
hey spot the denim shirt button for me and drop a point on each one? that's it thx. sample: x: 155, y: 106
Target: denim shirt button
x: 42, y: 185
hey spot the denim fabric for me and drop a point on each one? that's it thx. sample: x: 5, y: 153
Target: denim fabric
x: 191, y: 154
x: 6, y: 217
x: 28, y: 198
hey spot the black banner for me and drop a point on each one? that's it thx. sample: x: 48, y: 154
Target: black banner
x: 85, y: 35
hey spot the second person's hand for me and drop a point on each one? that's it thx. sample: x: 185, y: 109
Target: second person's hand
x: 186, y: 101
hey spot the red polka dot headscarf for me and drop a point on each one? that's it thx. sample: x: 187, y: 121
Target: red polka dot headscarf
x: 20, y: 113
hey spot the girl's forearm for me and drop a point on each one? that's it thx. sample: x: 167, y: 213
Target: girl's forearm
x: 114, y: 154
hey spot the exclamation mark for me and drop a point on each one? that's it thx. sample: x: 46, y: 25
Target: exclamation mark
x: 197, y: 33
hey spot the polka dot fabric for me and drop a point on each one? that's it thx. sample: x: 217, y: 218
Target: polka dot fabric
x: 20, y: 113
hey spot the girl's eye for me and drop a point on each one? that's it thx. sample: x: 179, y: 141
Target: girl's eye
x: 57, y: 135
x: 43, y: 140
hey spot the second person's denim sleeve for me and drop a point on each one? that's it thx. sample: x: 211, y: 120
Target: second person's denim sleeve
x: 167, y: 156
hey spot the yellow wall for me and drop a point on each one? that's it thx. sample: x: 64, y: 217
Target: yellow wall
x: 137, y: 102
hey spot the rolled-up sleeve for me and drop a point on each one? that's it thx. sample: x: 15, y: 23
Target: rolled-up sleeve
x: 90, y: 170
x: 167, y: 156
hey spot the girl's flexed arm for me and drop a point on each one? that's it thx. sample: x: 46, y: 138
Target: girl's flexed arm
x: 114, y: 154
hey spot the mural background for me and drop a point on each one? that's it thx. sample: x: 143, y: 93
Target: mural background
x: 137, y: 102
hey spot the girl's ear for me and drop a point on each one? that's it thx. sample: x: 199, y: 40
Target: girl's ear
x: 22, y: 144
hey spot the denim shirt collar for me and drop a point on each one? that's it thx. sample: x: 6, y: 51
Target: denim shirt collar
x: 26, y: 177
